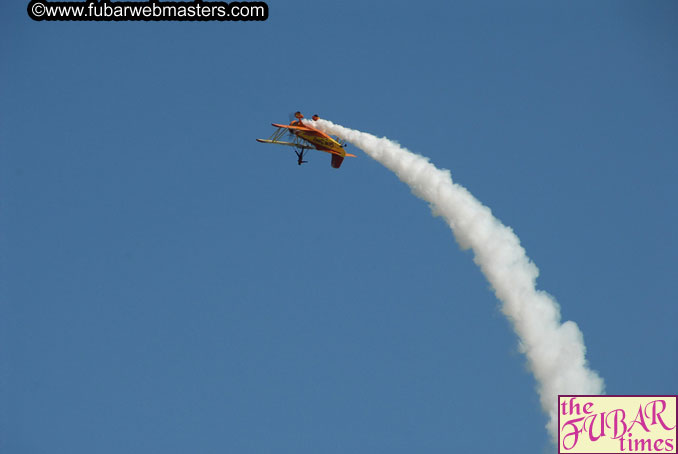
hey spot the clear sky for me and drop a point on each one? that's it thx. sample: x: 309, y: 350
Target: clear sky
x: 169, y: 285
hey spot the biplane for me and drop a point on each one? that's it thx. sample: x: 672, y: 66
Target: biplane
x: 304, y: 137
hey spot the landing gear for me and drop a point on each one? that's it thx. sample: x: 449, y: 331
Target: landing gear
x: 300, y: 156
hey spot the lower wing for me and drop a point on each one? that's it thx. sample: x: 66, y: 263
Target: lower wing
x: 289, y: 144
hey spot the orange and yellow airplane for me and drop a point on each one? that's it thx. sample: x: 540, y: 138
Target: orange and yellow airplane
x: 304, y: 137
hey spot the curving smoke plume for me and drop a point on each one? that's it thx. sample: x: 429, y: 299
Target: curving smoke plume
x: 555, y: 351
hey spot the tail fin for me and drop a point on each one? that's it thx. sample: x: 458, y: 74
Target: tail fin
x: 337, y: 160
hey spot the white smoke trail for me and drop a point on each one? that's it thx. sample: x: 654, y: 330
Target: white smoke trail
x: 555, y: 351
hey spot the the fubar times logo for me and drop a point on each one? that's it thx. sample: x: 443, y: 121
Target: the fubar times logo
x: 617, y: 424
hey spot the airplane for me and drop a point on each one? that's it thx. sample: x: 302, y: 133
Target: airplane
x: 304, y: 137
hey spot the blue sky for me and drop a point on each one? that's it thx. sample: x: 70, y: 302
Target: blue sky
x: 170, y: 285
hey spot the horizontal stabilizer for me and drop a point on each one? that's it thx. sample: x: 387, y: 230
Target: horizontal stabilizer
x: 327, y: 150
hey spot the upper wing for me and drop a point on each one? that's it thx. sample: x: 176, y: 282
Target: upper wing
x: 301, y: 128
